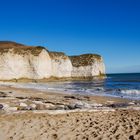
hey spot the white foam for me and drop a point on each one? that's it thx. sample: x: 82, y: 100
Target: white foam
x: 130, y: 91
x: 75, y: 89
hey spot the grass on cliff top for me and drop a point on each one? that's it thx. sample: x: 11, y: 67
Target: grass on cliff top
x: 19, y: 48
x: 84, y: 60
x: 55, y: 55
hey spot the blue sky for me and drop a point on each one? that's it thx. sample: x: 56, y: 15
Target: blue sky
x: 107, y: 27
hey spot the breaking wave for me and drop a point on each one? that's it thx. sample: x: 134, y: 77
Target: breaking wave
x: 130, y: 91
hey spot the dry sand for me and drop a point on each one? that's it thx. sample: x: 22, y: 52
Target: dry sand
x: 36, y: 115
x: 104, y: 125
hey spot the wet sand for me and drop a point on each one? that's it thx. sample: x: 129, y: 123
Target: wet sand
x: 30, y: 114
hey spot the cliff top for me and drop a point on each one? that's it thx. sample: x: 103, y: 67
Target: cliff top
x: 10, y: 44
x: 84, y: 59
x: 19, y: 48
x: 57, y: 55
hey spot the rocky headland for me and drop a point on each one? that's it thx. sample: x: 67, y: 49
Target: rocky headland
x: 18, y: 61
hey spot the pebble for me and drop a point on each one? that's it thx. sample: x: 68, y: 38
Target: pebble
x: 1, y: 106
x: 33, y: 106
x: 6, y: 107
x: 23, y: 105
x: 81, y: 105
x: 12, y: 109
x: 131, y: 103
x: 97, y: 105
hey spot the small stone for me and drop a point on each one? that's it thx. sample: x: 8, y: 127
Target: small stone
x: 131, y: 103
x: 24, y: 108
x: 28, y: 108
x: 3, y: 94
x: 97, y: 105
x: 71, y: 106
x: 1, y: 106
x: 8, y: 108
x: 33, y: 106
x: 81, y: 105
x: 49, y: 105
x: 41, y: 107
x: 12, y: 109
x: 23, y: 105
x: 59, y: 107
x: 5, y: 106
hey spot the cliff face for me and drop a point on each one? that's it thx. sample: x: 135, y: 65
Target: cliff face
x: 87, y: 65
x: 20, y: 61
x: 61, y: 65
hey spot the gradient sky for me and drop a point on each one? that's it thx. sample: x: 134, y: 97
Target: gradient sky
x: 107, y: 27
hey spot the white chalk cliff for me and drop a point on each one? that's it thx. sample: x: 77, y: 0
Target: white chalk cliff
x: 19, y: 61
x: 87, y: 65
x: 61, y: 65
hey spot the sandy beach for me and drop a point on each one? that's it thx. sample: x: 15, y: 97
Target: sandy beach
x: 36, y: 115
x: 119, y: 124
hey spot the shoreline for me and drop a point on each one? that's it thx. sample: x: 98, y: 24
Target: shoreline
x: 61, y: 92
x: 65, y: 101
x: 31, y: 114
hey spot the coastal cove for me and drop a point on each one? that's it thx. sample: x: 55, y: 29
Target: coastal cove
x: 49, y: 95
x: 70, y: 70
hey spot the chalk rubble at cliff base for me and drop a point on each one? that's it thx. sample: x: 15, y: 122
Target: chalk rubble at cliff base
x: 18, y: 61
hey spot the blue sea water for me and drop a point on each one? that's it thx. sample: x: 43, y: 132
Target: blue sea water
x: 115, y: 85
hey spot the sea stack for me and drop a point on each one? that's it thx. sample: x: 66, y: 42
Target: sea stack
x: 19, y: 61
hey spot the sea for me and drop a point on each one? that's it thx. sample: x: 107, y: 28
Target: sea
x: 125, y: 85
